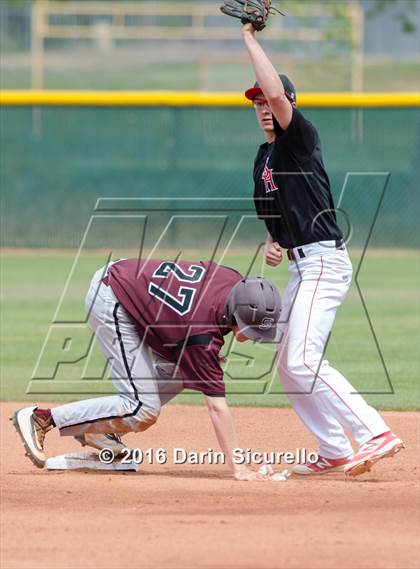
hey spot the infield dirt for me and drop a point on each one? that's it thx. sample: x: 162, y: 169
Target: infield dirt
x: 197, y: 516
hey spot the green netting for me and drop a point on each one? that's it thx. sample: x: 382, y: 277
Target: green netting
x: 57, y: 162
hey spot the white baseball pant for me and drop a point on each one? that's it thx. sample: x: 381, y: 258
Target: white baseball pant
x: 141, y: 377
x: 321, y: 396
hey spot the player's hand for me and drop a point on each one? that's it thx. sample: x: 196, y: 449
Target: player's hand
x: 248, y: 474
x: 273, y: 254
x: 248, y: 29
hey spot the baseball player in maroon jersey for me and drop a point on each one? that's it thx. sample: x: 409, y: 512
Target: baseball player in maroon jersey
x: 293, y: 197
x: 160, y: 325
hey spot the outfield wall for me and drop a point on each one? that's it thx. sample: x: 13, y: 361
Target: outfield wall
x: 61, y: 152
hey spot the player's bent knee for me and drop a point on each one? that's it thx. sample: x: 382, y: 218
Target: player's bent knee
x: 298, y: 369
x: 292, y: 367
x: 145, y: 418
x: 147, y: 422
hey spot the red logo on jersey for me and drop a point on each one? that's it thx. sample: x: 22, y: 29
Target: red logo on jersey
x: 268, y: 180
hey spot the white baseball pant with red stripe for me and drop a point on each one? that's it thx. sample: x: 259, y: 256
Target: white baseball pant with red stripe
x: 321, y: 396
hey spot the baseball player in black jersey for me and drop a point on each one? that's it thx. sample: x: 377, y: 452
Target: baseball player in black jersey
x: 292, y: 196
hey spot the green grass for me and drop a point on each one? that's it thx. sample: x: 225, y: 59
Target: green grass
x: 330, y: 74
x: 32, y: 283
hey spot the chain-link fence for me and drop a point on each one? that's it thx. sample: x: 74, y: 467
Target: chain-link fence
x: 52, y: 180
x: 325, y: 45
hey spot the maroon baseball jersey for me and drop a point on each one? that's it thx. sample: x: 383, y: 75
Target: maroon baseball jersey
x: 179, y: 309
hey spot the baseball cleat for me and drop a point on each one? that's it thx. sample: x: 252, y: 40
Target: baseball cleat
x: 384, y: 446
x: 32, y: 430
x: 322, y: 466
x: 101, y: 442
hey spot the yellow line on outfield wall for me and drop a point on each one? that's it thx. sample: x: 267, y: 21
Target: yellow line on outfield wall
x: 196, y: 99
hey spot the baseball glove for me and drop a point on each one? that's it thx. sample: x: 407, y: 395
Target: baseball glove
x: 249, y: 11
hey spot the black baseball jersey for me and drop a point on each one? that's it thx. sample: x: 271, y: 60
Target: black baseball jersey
x: 292, y: 190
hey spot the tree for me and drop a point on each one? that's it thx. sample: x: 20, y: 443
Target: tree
x: 408, y: 12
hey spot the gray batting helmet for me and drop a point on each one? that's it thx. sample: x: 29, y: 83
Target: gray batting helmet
x: 255, y: 304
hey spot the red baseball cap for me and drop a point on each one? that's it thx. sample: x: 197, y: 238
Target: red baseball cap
x: 289, y: 88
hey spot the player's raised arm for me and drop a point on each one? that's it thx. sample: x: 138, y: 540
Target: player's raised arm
x: 268, y: 78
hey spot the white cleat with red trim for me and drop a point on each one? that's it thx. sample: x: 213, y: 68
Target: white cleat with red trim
x: 322, y: 466
x: 383, y: 446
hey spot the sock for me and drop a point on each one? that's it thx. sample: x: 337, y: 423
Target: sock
x: 44, y: 414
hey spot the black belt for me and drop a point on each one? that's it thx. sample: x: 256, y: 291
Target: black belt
x: 291, y: 255
x: 339, y: 244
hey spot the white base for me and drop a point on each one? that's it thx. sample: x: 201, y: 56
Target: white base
x: 86, y: 460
